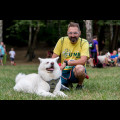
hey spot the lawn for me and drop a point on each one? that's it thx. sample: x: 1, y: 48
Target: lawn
x: 103, y: 84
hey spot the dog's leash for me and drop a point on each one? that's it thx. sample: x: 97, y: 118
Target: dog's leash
x: 67, y: 78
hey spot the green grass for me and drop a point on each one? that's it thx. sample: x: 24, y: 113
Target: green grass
x: 103, y: 84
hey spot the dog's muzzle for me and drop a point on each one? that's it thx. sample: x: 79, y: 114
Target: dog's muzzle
x: 51, y: 68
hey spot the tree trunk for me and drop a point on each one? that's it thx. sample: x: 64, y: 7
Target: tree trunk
x: 110, y: 37
x: 1, y: 30
x: 59, y: 28
x: 111, y: 31
x: 33, y: 46
x: 115, y: 37
x: 30, y: 41
x: 101, y: 37
x: 35, y: 36
x: 89, y: 32
x: 95, y: 27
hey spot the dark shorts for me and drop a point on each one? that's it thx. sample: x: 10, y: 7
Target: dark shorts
x: 1, y: 57
x: 94, y: 55
x: 66, y: 74
x: 11, y: 59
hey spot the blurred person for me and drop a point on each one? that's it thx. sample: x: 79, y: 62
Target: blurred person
x: 12, y: 56
x: 2, y: 52
x: 114, y: 57
x: 118, y: 59
x: 94, y: 51
x: 5, y: 55
x: 49, y: 54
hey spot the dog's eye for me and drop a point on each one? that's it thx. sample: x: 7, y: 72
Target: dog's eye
x: 47, y: 62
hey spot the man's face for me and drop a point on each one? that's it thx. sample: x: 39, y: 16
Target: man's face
x: 73, y: 34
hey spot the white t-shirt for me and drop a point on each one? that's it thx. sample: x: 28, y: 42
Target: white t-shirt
x: 12, y: 54
x: 119, y: 54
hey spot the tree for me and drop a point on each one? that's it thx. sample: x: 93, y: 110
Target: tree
x: 114, y: 26
x: 33, y: 28
x: 1, y: 25
x: 89, y: 30
x: 32, y: 43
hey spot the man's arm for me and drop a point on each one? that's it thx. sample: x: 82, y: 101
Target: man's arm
x: 55, y: 55
x: 97, y: 49
x: 63, y: 65
x: 81, y: 61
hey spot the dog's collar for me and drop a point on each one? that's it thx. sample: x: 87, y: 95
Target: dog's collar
x: 54, y: 79
x: 52, y: 83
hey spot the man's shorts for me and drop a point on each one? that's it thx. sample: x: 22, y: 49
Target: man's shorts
x: 66, y: 74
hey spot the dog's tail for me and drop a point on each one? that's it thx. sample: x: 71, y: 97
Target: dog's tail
x: 19, y: 76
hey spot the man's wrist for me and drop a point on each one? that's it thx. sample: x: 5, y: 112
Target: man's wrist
x: 65, y: 61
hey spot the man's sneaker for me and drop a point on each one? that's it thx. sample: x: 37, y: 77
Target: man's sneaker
x: 70, y: 85
x: 79, y: 87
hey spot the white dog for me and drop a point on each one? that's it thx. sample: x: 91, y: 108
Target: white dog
x: 46, y: 83
x: 102, y: 57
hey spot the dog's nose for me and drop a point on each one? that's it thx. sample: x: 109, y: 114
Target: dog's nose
x: 52, y: 63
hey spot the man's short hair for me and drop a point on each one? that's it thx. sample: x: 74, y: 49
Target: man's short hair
x: 73, y: 24
x: 95, y: 36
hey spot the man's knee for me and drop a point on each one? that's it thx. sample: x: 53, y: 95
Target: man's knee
x: 79, y: 70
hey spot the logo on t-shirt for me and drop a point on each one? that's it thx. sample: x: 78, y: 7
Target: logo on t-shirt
x: 68, y: 54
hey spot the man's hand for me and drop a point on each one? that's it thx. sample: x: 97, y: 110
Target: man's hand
x: 63, y: 66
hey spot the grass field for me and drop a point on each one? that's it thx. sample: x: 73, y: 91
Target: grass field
x: 103, y: 84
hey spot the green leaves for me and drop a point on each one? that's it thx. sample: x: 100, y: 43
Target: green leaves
x: 108, y: 22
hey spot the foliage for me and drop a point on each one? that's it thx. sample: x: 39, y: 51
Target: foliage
x: 108, y: 22
x: 20, y: 29
x: 50, y: 30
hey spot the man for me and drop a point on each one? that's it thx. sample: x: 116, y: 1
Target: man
x: 74, y: 53
x: 94, y: 51
x: 2, y: 52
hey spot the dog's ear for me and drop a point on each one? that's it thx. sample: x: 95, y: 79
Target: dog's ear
x: 40, y: 59
x: 56, y: 58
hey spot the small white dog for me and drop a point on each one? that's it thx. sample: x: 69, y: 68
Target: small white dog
x: 101, y: 58
x: 46, y: 83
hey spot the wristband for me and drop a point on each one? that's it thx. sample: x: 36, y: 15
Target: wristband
x: 65, y: 61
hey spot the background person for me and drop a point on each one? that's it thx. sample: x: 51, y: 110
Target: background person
x: 74, y: 53
x: 114, y: 57
x: 5, y: 55
x: 118, y: 59
x: 12, y: 56
x: 94, y: 51
x: 2, y: 52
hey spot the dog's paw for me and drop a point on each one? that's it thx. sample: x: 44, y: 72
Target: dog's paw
x: 60, y: 93
x: 52, y: 95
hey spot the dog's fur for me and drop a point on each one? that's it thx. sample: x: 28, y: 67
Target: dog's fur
x: 48, y: 71
x: 101, y: 58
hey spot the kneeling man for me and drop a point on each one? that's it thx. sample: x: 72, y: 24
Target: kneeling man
x: 74, y: 53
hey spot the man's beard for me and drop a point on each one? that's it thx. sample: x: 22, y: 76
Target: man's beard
x: 73, y: 39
